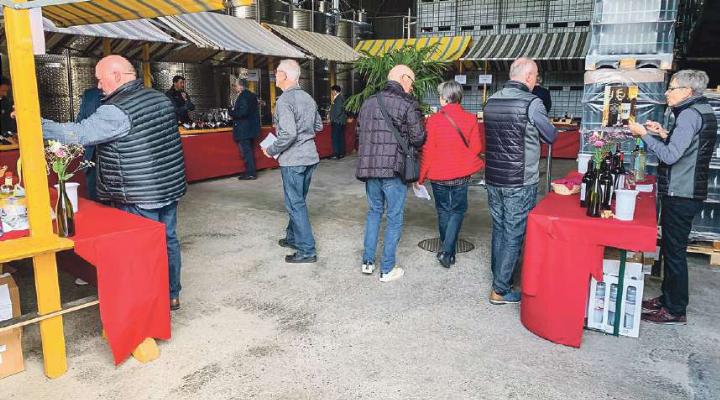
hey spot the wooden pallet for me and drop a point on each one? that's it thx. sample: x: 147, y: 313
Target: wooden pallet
x: 712, y: 249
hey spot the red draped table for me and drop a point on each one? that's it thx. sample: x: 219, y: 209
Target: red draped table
x: 130, y: 258
x: 563, y: 248
x: 567, y: 144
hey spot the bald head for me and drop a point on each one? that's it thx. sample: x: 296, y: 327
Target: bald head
x: 113, y: 72
x: 403, y: 75
x: 524, y: 70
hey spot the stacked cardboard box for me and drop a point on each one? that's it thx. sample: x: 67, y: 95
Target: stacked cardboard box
x: 11, y: 357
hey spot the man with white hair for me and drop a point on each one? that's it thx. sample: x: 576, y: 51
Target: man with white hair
x: 141, y: 169
x: 683, y: 175
x: 296, y: 120
x: 516, y: 121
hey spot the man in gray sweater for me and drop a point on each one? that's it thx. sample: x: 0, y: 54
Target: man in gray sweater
x: 296, y: 120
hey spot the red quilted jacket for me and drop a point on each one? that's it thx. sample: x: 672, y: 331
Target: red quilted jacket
x: 444, y: 155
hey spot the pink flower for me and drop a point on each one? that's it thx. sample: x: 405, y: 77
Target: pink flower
x: 598, y: 143
x: 61, y: 153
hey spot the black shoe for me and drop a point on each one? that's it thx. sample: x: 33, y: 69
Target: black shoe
x: 174, y: 304
x: 284, y: 243
x: 334, y: 158
x: 298, y: 259
x: 446, y: 260
x: 341, y: 157
x: 247, y: 177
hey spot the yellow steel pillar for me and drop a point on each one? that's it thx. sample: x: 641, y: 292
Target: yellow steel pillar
x: 147, y: 77
x: 251, y: 66
x: 107, y: 48
x: 27, y: 108
x: 273, y: 94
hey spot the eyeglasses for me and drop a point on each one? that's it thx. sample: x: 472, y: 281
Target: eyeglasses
x: 410, y: 77
x: 671, y: 88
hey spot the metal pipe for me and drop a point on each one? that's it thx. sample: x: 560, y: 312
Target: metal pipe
x: 70, y: 85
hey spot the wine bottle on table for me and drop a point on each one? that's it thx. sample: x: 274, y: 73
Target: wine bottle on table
x: 620, y: 173
x: 606, y: 184
x: 586, y: 183
x: 594, y: 195
x: 639, y: 162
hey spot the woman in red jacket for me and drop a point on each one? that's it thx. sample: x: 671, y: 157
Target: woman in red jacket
x: 450, y: 156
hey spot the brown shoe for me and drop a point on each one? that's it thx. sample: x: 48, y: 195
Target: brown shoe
x: 509, y: 298
x: 174, y: 304
x: 664, y: 317
x: 651, y: 305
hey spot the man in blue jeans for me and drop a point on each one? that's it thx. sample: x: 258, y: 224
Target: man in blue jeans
x: 381, y: 159
x: 515, y: 123
x: 296, y: 121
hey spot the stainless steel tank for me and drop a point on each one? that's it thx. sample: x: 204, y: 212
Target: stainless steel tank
x: 53, y: 87
x: 301, y: 19
x: 344, y: 31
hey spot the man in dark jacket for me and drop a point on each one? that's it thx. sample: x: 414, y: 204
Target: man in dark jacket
x: 246, y: 126
x: 683, y: 176
x: 543, y: 94
x: 139, y: 153
x: 8, y: 126
x: 338, y: 119
x: 380, y: 160
x: 89, y: 103
x: 515, y: 123
x: 181, y: 100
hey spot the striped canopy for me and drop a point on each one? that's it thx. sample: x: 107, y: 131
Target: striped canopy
x: 322, y: 46
x: 448, y: 49
x: 98, y: 11
x: 538, y: 46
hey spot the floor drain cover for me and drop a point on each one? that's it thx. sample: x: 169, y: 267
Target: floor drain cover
x: 433, y: 245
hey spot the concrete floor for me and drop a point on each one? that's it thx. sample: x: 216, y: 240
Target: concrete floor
x: 252, y: 326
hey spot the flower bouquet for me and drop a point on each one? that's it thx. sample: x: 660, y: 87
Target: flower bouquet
x: 59, y: 157
x: 602, y: 143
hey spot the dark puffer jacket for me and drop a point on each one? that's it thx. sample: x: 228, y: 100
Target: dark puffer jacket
x: 379, y: 154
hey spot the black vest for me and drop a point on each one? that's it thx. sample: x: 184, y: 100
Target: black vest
x: 146, y: 165
x: 688, y: 176
x: 512, y: 142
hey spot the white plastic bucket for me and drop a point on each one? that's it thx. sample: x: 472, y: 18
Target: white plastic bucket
x: 72, y: 191
x: 625, y: 204
x: 582, y: 161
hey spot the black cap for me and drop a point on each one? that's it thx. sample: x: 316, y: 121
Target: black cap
x: 177, y: 78
x: 336, y: 88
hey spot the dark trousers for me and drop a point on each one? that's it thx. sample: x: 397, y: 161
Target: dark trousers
x: 90, y: 173
x: 676, y: 222
x: 451, y: 204
x: 246, y: 148
x: 338, y: 139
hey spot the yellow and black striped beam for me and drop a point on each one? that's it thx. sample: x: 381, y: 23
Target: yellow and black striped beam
x: 448, y: 48
x: 98, y: 11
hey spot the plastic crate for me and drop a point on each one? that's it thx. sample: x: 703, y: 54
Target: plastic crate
x: 634, y: 11
x: 478, y: 12
x: 570, y: 10
x: 519, y: 11
x: 632, y: 38
x: 706, y: 225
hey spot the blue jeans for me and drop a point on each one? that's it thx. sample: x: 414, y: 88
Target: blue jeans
x: 451, y: 204
x: 338, y: 139
x: 246, y: 147
x: 382, y: 193
x: 168, y: 216
x: 296, y: 183
x: 509, y: 208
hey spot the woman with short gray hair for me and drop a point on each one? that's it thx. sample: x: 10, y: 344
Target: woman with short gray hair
x: 450, y: 156
x: 684, y: 154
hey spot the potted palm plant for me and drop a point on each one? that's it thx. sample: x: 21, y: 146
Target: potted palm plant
x: 374, y: 70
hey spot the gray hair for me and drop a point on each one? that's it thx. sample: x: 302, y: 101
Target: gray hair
x: 291, y: 68
x: 693, y: 79
x: 520, y: 67
x: 451, y: 91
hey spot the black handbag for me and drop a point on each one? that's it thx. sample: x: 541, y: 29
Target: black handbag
x: 410, y: 170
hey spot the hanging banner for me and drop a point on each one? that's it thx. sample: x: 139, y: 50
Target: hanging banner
x: 37, y: 31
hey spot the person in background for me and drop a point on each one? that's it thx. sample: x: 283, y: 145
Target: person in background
x: 543, y: 94
x: 296, y: 121
x: 90, y: 101
x: 181, y: 100
x: 683, y: 175
x: 8, y: 125
x: 449, y: 157
x: 246, y: 126
x: 516, y: 122
x: 380, y: 160
x: 141, y: 169
x: 338, y: 119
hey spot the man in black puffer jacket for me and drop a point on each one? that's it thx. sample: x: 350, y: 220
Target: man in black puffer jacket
x: 141, y: 169
x: 380, y: 159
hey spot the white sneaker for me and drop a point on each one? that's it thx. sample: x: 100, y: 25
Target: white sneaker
x: 368, y: 268
x: 80, y: 282
x: 395, y: 273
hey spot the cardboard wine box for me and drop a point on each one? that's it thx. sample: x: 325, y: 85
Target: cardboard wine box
x: 11, y: 357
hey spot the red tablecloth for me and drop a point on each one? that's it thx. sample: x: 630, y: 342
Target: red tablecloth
x: 563, y: 248
x: 130, y: 257
x: 567, y: 144
x: 212, y: 155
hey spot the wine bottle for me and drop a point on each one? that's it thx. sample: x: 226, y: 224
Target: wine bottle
x: 620, y: 173
x: 593, y: 197
x: 606, y: 185
x: 639, y: 162
x: 586, y: 183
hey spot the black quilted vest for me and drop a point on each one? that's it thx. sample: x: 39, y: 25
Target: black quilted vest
x: 688, y: 176
x: 146, y: 165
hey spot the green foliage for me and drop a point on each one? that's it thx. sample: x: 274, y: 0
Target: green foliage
x: 374, y: 69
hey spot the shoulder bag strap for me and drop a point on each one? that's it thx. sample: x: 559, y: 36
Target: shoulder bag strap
x: 456, y: 128
x: 405, y: 146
